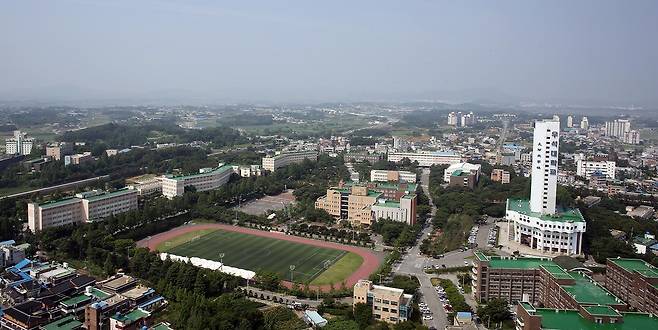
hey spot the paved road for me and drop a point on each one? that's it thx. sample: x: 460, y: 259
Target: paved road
x: 413, y: 263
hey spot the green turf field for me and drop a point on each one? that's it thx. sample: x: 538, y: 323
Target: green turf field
x: 256, y: 253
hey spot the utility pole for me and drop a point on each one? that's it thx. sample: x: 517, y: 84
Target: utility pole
x: 292, y: 267
x: 221, y: 260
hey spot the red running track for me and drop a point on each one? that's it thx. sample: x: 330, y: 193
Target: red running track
x: 369, y: 265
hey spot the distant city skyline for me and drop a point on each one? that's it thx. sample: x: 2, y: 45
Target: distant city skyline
x: 583, y: 53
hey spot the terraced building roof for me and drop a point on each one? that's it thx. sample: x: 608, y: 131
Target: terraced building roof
x: 562, y: 215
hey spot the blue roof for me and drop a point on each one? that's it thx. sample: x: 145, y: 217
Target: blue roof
x: 9, y: 242
x: 463, y: 314
x: 23, y: 263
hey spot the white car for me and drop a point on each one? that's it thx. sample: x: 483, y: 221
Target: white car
x: 422, y: 304
x: 427, y: 317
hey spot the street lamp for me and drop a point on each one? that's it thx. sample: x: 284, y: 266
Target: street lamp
x: 292, y: 267
x: 221, y: 260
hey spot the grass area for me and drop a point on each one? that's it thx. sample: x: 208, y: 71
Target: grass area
x: 340, y: 270
x: 435, y: 281
x: 14, y: 190
x: 89, y: 267
x: 261, y: 253
x: 182, y: 239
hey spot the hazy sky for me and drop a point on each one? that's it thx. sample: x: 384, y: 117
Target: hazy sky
x: 557, y: 51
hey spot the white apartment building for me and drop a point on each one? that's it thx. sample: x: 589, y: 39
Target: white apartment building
x: 585, y: 168
x: 19, y: 144
x: 426, y: 159
x: 271, y: 163
x: 402, y: 211
x: 464, y: 167
x: 147, y: 186
x: 206, y: 179
x: 584, y: 123
x: 390, y: 305
x: 546, y: 144
x: 538, y: 223
x: 617, y: 128
x: 97, y: 205
x: 395, y: 176
x: 631, y: 137
x: 82, y: 207
x: 569, y: 121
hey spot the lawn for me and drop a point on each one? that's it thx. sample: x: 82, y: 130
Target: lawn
x: 178, y: 240
x: 340, y: 270
x: 262, y: 253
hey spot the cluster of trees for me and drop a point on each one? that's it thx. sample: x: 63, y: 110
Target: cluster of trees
x: 360, y: 318
x: 119, y: 135
x: 327, y: 233
x: 458, y: 208
x: 135, y: 162
x: 395, y: 233
x: 495, y: 311
x: 10, y: 223
x: 456, y: 299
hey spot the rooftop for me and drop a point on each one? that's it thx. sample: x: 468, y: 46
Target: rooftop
x: 105, y: 195
x: 556, y: 271
x: 563, y: 215
x: 572, y: 320
x: 220, y: 169
x: 99, y: 294
x: 59, y: 202
x: 518, y: 263
x: 73, y: 301
x: 587, y: 291
x: 67, y: 323
x: 602, y: 311
x: 636, y: 265
x: 134, y: 315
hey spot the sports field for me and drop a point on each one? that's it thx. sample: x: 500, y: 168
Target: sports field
x: 256, y: 252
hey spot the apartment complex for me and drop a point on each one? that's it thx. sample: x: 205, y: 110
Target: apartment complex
x: 82, y: 207
x: 363, y: 204
x: 635, y: 281
x: 392, y: 176
x: 390, y: 305
x: 426, y: 159
x: 539, y: 223
x: 617, y: 128
x: 206, y: 179
x: 586, y: 168
x: 500, y: 175
x: 271, y: 163
x: 461, y: 119
x: 19, y: 144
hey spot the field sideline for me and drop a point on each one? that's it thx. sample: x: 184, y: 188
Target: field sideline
x: 366, y: 261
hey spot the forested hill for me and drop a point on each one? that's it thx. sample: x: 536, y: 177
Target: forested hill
x: 118, y: 136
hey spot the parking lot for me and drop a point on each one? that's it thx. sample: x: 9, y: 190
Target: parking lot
x: 262, y: 205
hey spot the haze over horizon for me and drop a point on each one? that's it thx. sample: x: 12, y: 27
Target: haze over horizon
x: 583, y: 52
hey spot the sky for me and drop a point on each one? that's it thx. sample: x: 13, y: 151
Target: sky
x: 573, y: 52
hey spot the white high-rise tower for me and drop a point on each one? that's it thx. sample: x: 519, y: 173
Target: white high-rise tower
x: 545, y: 146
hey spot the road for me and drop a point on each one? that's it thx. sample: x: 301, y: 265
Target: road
x: 412, y: 264
x: 59, y: 186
